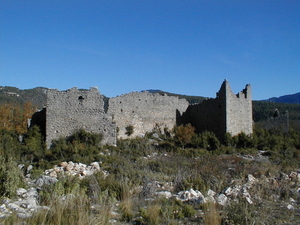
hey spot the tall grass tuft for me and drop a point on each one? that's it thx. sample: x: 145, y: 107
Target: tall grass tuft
x: 211, y: 214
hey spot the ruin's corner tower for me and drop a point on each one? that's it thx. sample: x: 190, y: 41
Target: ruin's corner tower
x: 227, y: 113
x: 71, y: 110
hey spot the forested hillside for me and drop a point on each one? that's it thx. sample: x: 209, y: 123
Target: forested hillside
x: 37, y: 96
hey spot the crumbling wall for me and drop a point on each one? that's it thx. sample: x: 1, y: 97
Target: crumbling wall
x: 144, y: 110
x: 209, y: 115
x: 68, y: 111
x: 278, y: 122
x: 227, y: 113
x: 239, y: 116
x: 71, y: 110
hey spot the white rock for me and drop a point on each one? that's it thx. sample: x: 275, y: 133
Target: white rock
x: 209, y: 199
x: 29, y: 168
x: 95, y: 165
x: 45, y: 180
x: 53, y: 174
x: 4, y: 210
x: 190, y: 195
x: 248, y: 199
x: 233, y: 192
x: 64, y: 164
x: 16, y: 208
x: 222, y: 199
x: 251, y: 179
x: 165, y: 194
x: 211, y: 193
x: 21, y: 191
x: 87, y: 172
x: 293, y: 200
x: 290, y: 207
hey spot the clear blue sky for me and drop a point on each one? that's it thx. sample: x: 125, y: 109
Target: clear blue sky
x: 180, y: 46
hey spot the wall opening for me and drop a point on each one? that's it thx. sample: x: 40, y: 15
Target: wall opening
x: 80, y: 99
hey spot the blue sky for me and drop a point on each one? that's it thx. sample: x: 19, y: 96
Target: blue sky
x: 185, y: 47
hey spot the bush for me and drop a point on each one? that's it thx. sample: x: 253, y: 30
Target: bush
x: 184, y: 134
x: 81, y: 147
x: 34, y: 147
x: 10, y: 177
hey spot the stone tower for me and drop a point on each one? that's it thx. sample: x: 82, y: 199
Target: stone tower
x: 71, y: 110
x: 227, y: 113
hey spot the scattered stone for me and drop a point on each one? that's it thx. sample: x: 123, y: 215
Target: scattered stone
x: 21, y: 191
x: 165, y: 194
x: 251, y: 179
x: 210, y: 196
x: 29, y: 168
x: 74, y: 169
x: 290, y: 207
x: 222, y: 199
x: 95, y: 165
x: 190, y: 195
x: 45, y: 180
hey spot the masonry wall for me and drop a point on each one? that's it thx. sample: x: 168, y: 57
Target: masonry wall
x: 144, y: 110
x: 68, y: 111
x: 210, y: 115
x: 280, y: 122
x: 226, y: 113
x: 239, y: 116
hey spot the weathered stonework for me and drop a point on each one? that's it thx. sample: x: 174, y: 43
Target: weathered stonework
x: 227, y: 113
x: 144, y: 111
x: 71, y: 110
x: 278, y: 122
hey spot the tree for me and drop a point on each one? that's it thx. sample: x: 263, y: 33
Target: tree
x: 15, y: 117
x: 184, y: 134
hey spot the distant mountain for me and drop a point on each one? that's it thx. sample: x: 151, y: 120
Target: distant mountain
x: 15, y: 95
x: 293, y: 98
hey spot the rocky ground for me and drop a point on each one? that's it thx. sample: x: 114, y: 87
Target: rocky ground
x: 252, y: 191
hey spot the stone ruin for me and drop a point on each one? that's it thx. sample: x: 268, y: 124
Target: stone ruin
x: 227, y: 113
x: 71, y: 110
x: 278, y: 122
x: 145, y: 111
x: 68, y: 111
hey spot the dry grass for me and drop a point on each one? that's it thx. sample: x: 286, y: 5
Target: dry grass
x: 211, y: 214
x: 153, y: 214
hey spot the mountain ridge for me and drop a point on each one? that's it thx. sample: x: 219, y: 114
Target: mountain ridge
x: 291, y: 98
x: 37, y: 96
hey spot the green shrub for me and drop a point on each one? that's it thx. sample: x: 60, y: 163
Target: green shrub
x: 10, y: 177
x: 34, y: 147
x: 9, y: 144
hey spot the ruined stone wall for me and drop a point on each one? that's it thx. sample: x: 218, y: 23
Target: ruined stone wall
x: 280, y: 123
x: 144, y: 110
x: 209, y: 115
x: 239, y: 116
x: 68, y: 111
x: 226, y: 113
